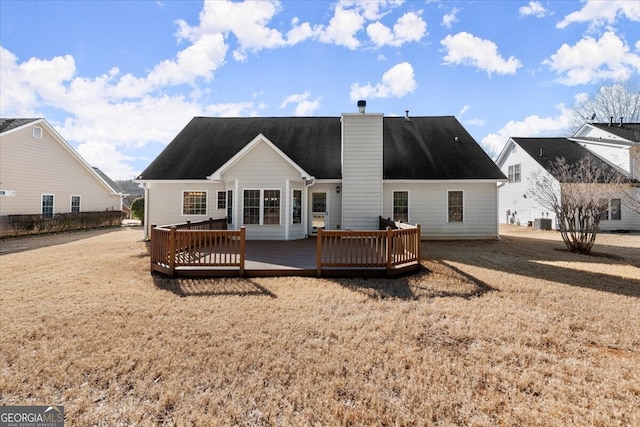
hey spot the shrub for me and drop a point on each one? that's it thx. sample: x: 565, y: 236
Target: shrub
x: 137, y: 209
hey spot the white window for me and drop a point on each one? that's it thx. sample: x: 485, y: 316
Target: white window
x: 47, y: 205
x: 401, y: 206
x: 514, y: 173
x: 614, y: 210
x: 194, y: 203
x: 455, y: 206
x: 296, y: 206
x: 229, y: 206
x: 75, y: 204
x: 261, y: 206
x: 222, y: 200
x: 37, y: 132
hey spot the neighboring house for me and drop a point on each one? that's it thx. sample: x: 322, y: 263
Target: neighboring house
x: 607, y: 144
x: 40, y: 173
x: 284, y: 177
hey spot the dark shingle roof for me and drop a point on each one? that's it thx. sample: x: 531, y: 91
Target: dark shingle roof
x: 547, y: 150
x: 116, y: 188
x: 629, y: 131
x: 422, y: 148
x: 8, y: 124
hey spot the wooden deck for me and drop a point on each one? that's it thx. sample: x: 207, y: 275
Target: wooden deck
x: 198, y: 250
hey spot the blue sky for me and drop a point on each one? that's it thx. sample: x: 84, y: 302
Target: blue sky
x: 119, y: 79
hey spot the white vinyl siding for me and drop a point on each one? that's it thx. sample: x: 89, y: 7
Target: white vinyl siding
x: 362, y: 170
x: 428, y: 204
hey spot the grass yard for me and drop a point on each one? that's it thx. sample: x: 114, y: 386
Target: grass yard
x: 511, y: 332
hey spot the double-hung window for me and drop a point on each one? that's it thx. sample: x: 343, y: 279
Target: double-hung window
x: 401, y: 206
x: 614, y: 210
x: 261, y: 207
x: 75, y: 203
x: 47, y: 205
x: 222, y: 199
x: 194, y: 203
x: 514, y: 173
x: 455, y: 206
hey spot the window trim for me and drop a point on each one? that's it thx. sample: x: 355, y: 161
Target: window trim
x: 37, y: 132
x: 293, y: 190
x: 393, y: 214
x: 513, y: 175
x: 262, y: 205
x: 71, y: 203
x: 463, y: 213
x: 223, y: 200
x: 206, y: 204
x: 229, y: 206
x: 53, y: 204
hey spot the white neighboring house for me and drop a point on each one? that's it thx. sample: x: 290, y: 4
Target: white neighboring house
x: 284, y: 177
x: 616, y: 145
x: 40, y: 173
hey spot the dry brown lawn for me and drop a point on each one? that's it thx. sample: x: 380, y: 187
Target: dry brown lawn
x: 516, y: 331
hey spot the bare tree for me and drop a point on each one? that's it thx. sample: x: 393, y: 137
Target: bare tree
x: 579, y: 195
x: 618, y: 100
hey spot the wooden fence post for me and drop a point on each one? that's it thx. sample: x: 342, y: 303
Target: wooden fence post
x: 389, y: 249
x: 419, y: 244
x: 153, y: 254
x: 172, y: 250
x: 319, y: 253
x: 243, y: 234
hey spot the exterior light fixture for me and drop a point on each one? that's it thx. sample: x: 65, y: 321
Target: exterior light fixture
x: 338, y: 189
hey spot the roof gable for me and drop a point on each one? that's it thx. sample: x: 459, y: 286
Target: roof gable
x: 260, y: 139
x: 629, y: 132
x: 547, y: 150
x: 12, y: 125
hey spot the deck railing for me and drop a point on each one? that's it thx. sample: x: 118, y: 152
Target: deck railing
x: 372, y: 249
x: 199, y: 249
x: 195, y: 246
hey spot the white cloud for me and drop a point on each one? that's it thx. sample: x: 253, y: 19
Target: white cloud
x: 247, y: 21
x: 304, y: 106
x: 396, y: 83
x: 463, y: 110
x: 450, y: 18
x: 531, y: 126
x: 464, y: 48
x: 534, y: 8
x: 591, y: 60
x: 409, y: 27
x: 108, y: 159
x: 342, y: 28
x: 598, y: 12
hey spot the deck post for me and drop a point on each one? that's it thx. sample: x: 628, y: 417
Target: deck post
x: 419, y: 235
x: 319, y: 253
x: 389, y: 249
x: 172, y: 251
x: 153, y: 255
x: 243, y: 233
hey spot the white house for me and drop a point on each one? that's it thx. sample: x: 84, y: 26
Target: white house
x: 40, y: 173
x: 615, y: 146
x: 283, y: 177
